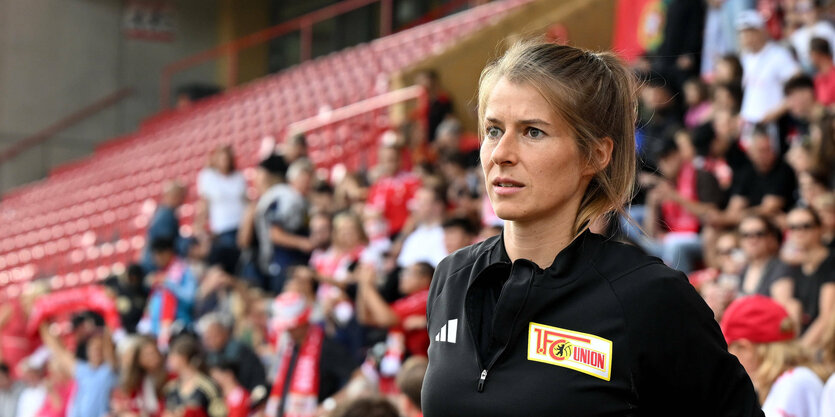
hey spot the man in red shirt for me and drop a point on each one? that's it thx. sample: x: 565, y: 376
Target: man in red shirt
x: 391, y: 192
x: 406, y: 316
x: 820, y: 53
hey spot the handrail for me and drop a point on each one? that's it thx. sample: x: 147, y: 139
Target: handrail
x: 302, y: 23
x: 65, y: 123
x: 390, y: 98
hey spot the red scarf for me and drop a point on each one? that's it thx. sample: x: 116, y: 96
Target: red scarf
x: 677, y: 218
x: 303, y: 397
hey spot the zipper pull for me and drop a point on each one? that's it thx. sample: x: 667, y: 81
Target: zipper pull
x: 481, y: 380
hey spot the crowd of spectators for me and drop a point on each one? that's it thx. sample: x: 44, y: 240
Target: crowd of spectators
x: 299, y: 295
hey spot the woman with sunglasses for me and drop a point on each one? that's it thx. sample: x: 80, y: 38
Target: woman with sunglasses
x: 764, y: 273
x: 814, y: 289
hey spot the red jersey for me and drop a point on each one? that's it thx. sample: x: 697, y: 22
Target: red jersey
x: 391, y: 196
x: 825, y: 87
x: 237, y: 403
x: 417, y: 340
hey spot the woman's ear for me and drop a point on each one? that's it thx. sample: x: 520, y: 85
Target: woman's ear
x: 601, y: 155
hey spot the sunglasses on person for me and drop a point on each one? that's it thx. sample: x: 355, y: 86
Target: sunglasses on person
x: 753, y: 234
x: 725, y: 251
x: 802, y: 226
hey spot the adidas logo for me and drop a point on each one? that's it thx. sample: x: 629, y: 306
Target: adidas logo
x: 448, y: 333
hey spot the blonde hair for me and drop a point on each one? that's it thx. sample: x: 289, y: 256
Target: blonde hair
x: 594, y: 93
x: 779, y: 357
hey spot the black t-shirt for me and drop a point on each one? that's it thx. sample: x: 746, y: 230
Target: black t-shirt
x: 791, y: 130
x: 754, y: 186
x: 807, y: 288
x: 205, y: 397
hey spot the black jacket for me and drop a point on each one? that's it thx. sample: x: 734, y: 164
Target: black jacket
x: 604, y: 331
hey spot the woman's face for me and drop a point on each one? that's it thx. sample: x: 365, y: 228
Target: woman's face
x: 529, y: 156
x: 753, y: 236
x: 95, y: 347
x: 803, y: 231
x: 176, y: 363
x: 345, y: 233
x: 149, y: 357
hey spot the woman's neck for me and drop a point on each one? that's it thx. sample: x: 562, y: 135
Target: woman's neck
x: 539, y: 241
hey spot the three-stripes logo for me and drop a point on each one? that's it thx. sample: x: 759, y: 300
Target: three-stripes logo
x: 449, y: 332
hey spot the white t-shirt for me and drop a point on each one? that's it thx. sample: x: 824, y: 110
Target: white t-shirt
x: 30, y: 401
x: 764, y: 74
x: 796, y: 393
x: 226, y: 195
x: 425, y: 244
x: 828, y: 398
x: 800, y: 40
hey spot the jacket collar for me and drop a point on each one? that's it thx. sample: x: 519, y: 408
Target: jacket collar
x: 575, y: 255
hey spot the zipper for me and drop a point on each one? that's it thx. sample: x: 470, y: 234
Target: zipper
x: 481, y: 380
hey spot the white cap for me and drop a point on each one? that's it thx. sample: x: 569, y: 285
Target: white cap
x: 749, y: 19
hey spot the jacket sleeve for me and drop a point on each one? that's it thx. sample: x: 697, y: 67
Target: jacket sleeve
x: 682, y: 364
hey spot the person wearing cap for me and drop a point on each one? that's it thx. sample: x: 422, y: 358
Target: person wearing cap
x: 766, y: 67
x: 761, y: 335
x: 312, y: 366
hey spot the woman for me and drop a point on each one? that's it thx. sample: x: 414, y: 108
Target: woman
x: 814, y: 289
x: 192, y: 393
x: 549, y: 318
x: 760, y: 333
x: 764, y: 273
x: 222, y: 191
x: 94, y: 378
x: 143, y: 379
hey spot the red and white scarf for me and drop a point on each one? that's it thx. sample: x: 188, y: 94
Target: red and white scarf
x: 677, y: 218
x: 303, y: 396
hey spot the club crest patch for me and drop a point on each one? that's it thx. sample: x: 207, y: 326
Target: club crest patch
x: 581, y: 352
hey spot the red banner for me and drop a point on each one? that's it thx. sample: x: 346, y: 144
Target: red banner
x: 89, y: 298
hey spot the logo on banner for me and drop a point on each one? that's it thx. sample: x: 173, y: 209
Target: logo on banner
x: 581, y: 352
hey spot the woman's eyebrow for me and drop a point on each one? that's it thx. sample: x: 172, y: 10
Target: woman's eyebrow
x: 533, y: 122
x: 493, y: 120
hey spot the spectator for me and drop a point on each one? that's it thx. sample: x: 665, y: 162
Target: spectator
x: 459, y: 232
x: 34, y: 391
x: 820, y: 54
x: 409, y: 382
x: 766, y: 67
x: 9, y: 391
x: 192, y: 393
x: 766, y: 186
x: 719, y: 285
x: 393, y: 190
x: 347, y: 245
x: 216, y: 333
x: 131, y: 296
x: 306, y: 355
x: 222, y: 191
x: 719, y: 33
x: 94, y: 378
x: 426, y: 242
x: 825, y: 207
x: 697, y: 100
x: 173, y: 292
x: 367, y: 407
x: 284, y: 216
x: 235, y: 396
x: 164, y: 223
x: 678, y: 199
x: 800, y: 109
x: 811, y: 186
x: 728, y: 70
x: 440, y: 105
x: 815, y: 287
x: 677, y: 58
x: 15, y: 342
x: 406, y: 316
x: 59, y: 389
x: 294, y: 148
x: 143, y: 380
x: 813, y: 27
x: 760, y: 333
x: 727, y: 97
x: 764, y: 273
x: 659, y: 118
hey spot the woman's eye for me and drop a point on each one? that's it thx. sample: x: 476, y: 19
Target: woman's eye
x: 535, y: 133
x: 494, y: 132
